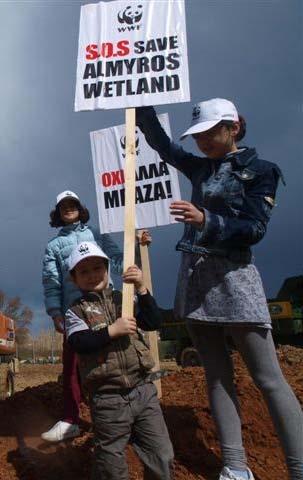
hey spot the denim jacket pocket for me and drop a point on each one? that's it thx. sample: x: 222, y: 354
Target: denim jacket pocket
x: 237, y: 183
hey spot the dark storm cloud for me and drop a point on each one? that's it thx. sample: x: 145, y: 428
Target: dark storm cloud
x: 250, y: 52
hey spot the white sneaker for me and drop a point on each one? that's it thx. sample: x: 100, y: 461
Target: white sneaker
x: 61, y: 431
x: 227, y: 474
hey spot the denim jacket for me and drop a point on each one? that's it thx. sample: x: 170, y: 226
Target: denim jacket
x: 236, y: 194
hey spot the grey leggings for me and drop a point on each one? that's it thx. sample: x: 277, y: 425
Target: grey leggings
x: 257, y: 349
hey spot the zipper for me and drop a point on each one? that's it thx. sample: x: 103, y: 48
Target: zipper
x: 118, y: 345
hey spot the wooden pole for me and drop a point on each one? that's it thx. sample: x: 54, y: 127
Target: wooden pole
x: 129, y: 216
x: 129, y: 233
x: 153, y: 336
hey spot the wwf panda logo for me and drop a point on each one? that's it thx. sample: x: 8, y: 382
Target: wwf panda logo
x: 83, y: 249
x: 196, y: 112
x: 123, y: 144
x: 130, y: 15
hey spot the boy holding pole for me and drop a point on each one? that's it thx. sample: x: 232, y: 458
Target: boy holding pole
x: 116, y: 368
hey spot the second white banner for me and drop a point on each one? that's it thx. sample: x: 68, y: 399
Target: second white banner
x: 157, y: 183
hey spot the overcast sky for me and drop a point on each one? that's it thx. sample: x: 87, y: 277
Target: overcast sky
x: 249, y: 51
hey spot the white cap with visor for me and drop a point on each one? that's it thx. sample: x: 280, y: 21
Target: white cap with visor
x: 85, y: 250
x: 209, y: 113
x: 66, y: 194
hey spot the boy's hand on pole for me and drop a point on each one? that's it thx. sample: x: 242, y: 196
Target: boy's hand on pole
x: 122, y: 326
x: 186, y: 212
x: 134, y: 275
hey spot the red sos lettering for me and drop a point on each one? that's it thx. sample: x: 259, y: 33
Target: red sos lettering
x: 107, y: 50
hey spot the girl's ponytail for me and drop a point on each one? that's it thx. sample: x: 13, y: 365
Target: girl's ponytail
x: 242, y: 130
x: 229, y: 124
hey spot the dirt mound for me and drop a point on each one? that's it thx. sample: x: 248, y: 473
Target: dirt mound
x: 24, y: 456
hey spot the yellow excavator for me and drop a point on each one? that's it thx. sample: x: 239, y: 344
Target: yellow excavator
x: 7, y: 356
x: 286, y: 310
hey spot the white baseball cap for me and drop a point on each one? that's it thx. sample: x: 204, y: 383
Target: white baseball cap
x: 208, y: 114
x: 66, y: 194
x: 85, y: 250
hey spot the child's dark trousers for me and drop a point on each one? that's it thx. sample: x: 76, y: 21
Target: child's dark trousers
x: 132, y: 416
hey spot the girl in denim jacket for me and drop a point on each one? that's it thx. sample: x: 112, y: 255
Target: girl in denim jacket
x: 219, y: 290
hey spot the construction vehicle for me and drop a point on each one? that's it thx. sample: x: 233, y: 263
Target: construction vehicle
x: 7, y: 356
x: 286, y: 311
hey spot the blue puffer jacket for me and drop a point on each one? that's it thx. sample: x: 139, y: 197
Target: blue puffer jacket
x: 59, y: 291
x: 236, y: 193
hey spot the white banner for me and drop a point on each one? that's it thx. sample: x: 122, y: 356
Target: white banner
x: 157, y: 183
x: 132, y: 53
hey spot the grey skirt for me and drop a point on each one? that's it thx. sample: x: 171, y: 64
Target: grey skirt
x: 215, y: 289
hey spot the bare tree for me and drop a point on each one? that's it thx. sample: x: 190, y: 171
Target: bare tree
x: 48, y: 344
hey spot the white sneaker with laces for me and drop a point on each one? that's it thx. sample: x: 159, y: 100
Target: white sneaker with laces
x: 61, y: 431
x: 227, y: 474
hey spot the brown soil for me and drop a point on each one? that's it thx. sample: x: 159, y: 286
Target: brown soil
x: 34, y: 375
x: 24, y: 456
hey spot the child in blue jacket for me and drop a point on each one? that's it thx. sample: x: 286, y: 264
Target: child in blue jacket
x: 60, y: 292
